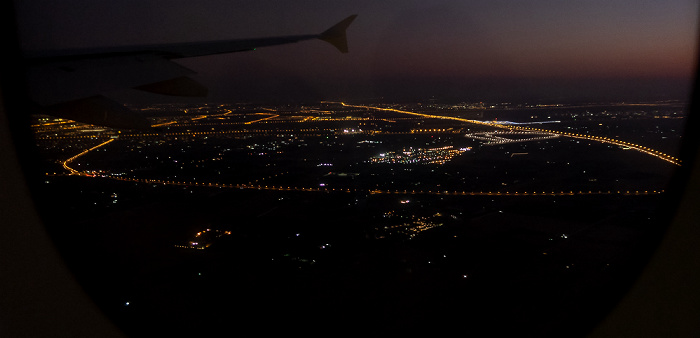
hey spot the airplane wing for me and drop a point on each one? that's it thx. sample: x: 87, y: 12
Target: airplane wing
x: 69, y: 83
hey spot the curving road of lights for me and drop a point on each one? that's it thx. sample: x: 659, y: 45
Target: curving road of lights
x: 76, y: 172
x: 252, y: 185
x: 509, y: 130
x: 637, y: 147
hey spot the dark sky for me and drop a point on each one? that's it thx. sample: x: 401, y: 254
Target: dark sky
x: 456, y: 49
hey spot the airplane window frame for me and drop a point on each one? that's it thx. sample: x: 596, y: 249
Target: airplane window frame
x: 46, y: 299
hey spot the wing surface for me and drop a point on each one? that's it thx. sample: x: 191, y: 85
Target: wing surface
x: 68, y: 80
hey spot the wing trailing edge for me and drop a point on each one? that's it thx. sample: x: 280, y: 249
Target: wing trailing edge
x: 336, y: 35
x: 71, y: 83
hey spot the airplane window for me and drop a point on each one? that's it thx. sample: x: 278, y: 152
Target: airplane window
x: 362, y: 167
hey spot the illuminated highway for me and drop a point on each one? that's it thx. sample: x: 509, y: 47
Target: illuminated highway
x: 257, y: 132
x: 494, y: 138
x: 199, y: 117
x: 502, y: 135
x: 379, y: 191
x: 637, y: 147
x: 490, y: 124
x: 272, y: 116
x: 251, y: 185
x: 76, y: 172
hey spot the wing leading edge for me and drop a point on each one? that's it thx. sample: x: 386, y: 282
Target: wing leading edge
x: 68, y: 82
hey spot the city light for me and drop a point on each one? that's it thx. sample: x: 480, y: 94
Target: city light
x: 438, y: 155
x: 636, y: 147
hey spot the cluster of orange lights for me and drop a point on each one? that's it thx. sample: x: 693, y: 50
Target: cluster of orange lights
x: 509, y: 130
x: 643, y: 149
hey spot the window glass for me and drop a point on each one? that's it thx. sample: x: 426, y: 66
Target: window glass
x: 486, y: 166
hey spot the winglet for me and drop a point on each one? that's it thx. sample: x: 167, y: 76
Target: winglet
x: 336, y: 34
